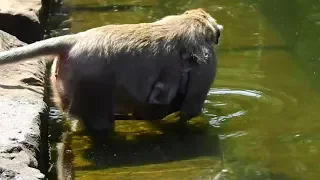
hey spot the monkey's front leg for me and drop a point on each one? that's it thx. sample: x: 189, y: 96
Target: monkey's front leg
x: 192, y: 107
x: 200, y: 80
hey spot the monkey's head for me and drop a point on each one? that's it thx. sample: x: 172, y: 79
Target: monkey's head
x: 213, y: 30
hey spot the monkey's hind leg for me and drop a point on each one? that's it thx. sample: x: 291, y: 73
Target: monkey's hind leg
x: 93, y: 105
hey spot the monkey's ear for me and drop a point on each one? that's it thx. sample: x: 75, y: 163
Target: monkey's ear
x: 217, y: 36
x: 218, y: 33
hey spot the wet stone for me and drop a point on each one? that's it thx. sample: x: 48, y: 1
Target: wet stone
x: 25, y: 14
x: 20, y: 105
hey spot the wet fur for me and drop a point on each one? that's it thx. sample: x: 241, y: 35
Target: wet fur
x: 115, y: 68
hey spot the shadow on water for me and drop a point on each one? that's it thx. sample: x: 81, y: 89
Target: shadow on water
x: 143, y: 149
x: 149, y: 149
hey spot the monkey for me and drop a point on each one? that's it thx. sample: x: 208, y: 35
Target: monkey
x: 197, y: 87
x: 164, y: 91
x: 171, y: 80
x: 113, y: 68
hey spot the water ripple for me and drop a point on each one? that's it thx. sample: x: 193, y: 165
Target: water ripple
x: 234, y: 102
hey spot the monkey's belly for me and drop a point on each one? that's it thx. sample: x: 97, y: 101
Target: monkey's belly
x: 126, y: 103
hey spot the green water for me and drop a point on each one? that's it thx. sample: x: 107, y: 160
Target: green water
x: 262, y: 109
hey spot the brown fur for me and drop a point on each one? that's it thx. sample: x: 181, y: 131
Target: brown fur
x: 105, y: 63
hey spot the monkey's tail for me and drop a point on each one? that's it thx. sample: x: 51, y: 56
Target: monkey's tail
x: 53, y: 46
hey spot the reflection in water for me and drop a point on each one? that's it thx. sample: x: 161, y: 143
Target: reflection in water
x: 250, y: 93
x: 111, y: 8
x: 144, y: 150
x: 148, y: 149
x: 262, y: 110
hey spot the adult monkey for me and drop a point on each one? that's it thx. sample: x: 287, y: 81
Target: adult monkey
x: 104, y: 69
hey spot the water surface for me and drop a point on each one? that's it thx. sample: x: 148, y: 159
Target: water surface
x: 261, y: 115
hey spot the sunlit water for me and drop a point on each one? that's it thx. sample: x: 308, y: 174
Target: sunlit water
x: 262, y: 110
